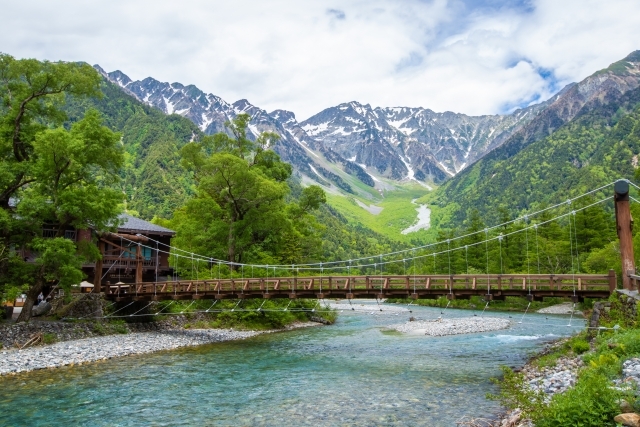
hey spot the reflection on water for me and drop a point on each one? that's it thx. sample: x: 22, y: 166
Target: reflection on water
x: 353, y: 373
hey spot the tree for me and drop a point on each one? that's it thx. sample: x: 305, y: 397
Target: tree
x: 51, y: 174
x: 241, y: 200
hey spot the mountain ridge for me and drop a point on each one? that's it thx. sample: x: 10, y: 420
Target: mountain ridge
x: 396, y: 143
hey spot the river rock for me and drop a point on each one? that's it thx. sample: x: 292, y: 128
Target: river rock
x: 41, y: 309
x: 629, y: 420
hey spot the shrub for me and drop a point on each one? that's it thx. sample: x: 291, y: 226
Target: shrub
x: 49, y: 338
x: 580, y: 346
x: 588, y: 404
x: 515, y: 393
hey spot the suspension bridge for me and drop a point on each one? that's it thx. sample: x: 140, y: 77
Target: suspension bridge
x: 327, y: 280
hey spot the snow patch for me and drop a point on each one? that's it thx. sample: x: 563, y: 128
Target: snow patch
x: 446, y: 169
x: 254, y: 130
x: 205, y: 122
x: 303, y: 145
x: 314, y: 170
x: 169, y: 105
x: 314, y: 130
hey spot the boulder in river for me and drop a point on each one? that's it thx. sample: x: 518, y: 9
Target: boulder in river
x: 40, y: 309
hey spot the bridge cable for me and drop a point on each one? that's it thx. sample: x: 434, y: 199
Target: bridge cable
x: 165, y: 307
x: 485, y: 307
x: 525, y: 312
x: 120, y: 309
x: 535, y: 226
x: 182, y: 312
x: 434, y: 244
x: 573, y: 272
x: 142, y: 308
x: 210, y: 307
x: 486, y: 242
x: 419, y: 256
x: 526, y: 236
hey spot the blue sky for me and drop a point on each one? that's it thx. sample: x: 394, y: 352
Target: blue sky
x: 475, y: 57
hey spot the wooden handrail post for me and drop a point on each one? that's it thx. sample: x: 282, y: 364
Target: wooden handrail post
x: 624, y: 224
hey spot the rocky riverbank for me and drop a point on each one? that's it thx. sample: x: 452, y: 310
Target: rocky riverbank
x: 82, y: 343
x: 443, y: 327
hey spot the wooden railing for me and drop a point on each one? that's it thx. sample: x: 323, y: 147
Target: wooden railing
x: 419, y: 286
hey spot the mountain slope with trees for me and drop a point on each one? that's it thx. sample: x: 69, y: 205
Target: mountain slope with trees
x: 598, y: 145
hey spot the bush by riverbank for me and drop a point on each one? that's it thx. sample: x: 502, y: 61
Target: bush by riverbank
x: 593, y: 390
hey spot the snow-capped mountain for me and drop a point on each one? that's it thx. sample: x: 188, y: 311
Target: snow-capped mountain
x: 350, y: 139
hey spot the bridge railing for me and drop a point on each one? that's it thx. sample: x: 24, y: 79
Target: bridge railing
x: 385, y: 284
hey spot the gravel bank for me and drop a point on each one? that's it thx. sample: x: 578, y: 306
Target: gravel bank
x: 86, y: 350
x: 564, y: 308
x: 443, y: 327
x: 549, y: 380
x: 101, y: 348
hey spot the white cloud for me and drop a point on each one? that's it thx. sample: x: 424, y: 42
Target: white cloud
x: 307, y: 56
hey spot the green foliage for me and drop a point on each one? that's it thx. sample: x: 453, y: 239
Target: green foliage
x: 515, y: 393
x: 580, y: 346
x: 49, y: 338
x: 595, y: 148
x: 240, y: 211
x: 152, y: 179
x: 63, y: 177
x: 587, y: 404
x: 252, y: 314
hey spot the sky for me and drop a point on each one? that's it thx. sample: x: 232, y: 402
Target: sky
x: 473, y: 57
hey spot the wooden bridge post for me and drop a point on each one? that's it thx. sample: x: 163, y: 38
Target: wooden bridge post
x: 624, y: 224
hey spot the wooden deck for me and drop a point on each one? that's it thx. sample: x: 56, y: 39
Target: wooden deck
x: 490, y: 287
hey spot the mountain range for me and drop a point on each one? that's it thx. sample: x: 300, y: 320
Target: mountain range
x: 351, y: 140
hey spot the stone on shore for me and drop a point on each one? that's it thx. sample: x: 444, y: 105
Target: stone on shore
x: 628, y: 420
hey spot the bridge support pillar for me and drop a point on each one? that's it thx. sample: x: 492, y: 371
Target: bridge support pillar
x: 624, y: 224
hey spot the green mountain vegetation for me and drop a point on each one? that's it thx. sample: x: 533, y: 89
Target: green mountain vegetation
x: 597, y: 147
x: 153, y: 181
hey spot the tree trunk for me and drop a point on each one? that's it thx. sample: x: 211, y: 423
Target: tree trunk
x: 232, y: 248
x: 32, y: 296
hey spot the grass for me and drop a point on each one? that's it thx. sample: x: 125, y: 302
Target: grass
x: 49, y: 338
x: 398, y: 212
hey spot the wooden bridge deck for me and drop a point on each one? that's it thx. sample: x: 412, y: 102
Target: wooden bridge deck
x: 494, y: 286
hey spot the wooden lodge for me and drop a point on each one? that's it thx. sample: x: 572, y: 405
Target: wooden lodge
x: 132, y: 254
x: 129, y: 255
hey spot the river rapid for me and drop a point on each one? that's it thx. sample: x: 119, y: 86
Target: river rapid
x: 354, y: 373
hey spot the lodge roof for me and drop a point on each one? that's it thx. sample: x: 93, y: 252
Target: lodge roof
x: 131, y: 224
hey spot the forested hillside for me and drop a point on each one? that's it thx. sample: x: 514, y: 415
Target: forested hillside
x: 156, y: 185
x: 152, y: 179
x: 600, y: 144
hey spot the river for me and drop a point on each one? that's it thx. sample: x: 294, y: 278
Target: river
x: 354, y: 373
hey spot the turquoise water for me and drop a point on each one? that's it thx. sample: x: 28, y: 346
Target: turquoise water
x: 354, y: 373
